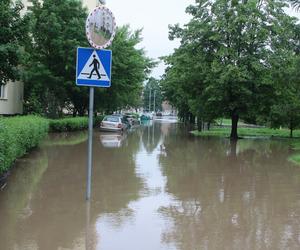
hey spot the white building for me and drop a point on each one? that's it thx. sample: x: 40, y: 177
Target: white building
x: 11, y: 94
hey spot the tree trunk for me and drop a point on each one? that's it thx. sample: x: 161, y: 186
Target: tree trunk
x: 291, y: 128
x: 199, y: 124
x: 233, y: 153
x: 208, y: 126
x: 234, y: 121
x: 192, y: 118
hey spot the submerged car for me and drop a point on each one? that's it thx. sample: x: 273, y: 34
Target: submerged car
x: 113, y: 123
x: 112, y: 140
x: 133, y: 120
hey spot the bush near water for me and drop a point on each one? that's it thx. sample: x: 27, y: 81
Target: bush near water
x: 18, y: 135
x: 72, y: 123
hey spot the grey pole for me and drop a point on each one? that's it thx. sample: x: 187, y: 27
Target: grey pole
x: 154, y: 101
x: 87, y: 226
x: 90, y: 145
x: 150, y: 101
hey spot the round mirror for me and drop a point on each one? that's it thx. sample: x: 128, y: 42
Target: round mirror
x: 100, y: 27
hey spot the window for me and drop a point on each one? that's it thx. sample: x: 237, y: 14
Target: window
x: 111, y: 119
x: 2, y: 92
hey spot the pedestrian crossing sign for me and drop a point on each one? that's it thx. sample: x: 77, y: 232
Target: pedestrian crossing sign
x: 93, y: 67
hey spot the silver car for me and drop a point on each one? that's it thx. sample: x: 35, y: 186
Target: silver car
x: 112, y: 123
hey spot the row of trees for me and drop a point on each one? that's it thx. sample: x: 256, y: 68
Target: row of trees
x: 238, y: 59
x: 40, y: 48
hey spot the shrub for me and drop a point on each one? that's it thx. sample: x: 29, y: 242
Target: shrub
x: 68, y: 124
x: 97, y: 120
x: 18, y: 135
x: 72, y: 124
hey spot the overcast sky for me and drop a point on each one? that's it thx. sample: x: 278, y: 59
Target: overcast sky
x: 153, y: 16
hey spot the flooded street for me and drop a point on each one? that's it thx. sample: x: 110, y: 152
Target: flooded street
x: 155, y: 187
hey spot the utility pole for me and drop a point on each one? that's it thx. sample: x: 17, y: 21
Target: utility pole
x: 150, y: 101
x: 154, y: 101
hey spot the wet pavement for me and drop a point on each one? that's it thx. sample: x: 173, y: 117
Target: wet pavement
x: 155, y: 187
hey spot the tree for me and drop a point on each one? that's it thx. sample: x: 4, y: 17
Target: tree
x: 130, y: 68
x: 13, y: 32
x: 51, y: 60
x: 57, y: 29
x: 232, y: 43
x: 153, y: 86
x: 286, y: 110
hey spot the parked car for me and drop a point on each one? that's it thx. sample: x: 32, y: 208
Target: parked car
x: 124, y: 119
x: 132, y: 119
x: 112, y: 123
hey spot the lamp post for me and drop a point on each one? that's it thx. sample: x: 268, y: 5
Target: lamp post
x: 154, y: 101
x: 150, y: 101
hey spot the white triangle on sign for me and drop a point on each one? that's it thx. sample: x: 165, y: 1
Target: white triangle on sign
x: 91, y: 66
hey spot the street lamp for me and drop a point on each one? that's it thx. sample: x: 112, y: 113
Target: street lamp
x: 150, y: 100
x: 154, y: 101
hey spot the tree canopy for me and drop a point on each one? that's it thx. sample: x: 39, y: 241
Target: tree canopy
x: 51, y: 63
x: 13, y: 33
x: 224, y: 65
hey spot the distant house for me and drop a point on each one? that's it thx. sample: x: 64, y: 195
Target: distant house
x: 11, y: 98
x: 11, y: 94
x: 168, y: 109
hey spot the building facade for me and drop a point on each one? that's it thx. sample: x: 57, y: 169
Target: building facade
x: 11, y: 98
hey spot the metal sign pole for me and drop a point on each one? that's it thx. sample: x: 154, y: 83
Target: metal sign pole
x: 90, y: 145
x: 93, y: 69
x: 150, y: 101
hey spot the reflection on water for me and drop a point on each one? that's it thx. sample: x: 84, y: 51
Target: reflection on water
x: 154, y: 188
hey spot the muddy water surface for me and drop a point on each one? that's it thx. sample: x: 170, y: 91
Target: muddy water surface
x: 155, y: 187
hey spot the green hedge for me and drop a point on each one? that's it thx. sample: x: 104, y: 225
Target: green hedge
x: 18, y: 135
x: 72, y: 124
x: 68, y: 124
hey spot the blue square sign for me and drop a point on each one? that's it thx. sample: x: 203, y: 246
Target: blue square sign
x: 93, y: 67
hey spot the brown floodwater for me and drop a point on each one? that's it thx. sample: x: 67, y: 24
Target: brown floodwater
x: 156, y: 187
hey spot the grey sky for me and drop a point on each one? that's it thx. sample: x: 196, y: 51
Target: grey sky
x: 154, y: 16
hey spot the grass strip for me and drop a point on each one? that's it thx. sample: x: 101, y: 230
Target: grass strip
x: 295, y: 159
x: 249, y: 132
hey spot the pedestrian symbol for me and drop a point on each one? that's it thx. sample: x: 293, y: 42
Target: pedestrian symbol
x: 93, y: 67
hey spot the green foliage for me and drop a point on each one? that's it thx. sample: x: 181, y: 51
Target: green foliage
x: 130, y: 68
x: 18, y: 135
x: 57, y: 29
x: 13, y: 33
x: 229, y: 51
x: 68, y: 124
x: 295, y: 159
x: 72, y: 124
x: 97, y: 120
x: 249, y: 132
x: 286, y: 111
